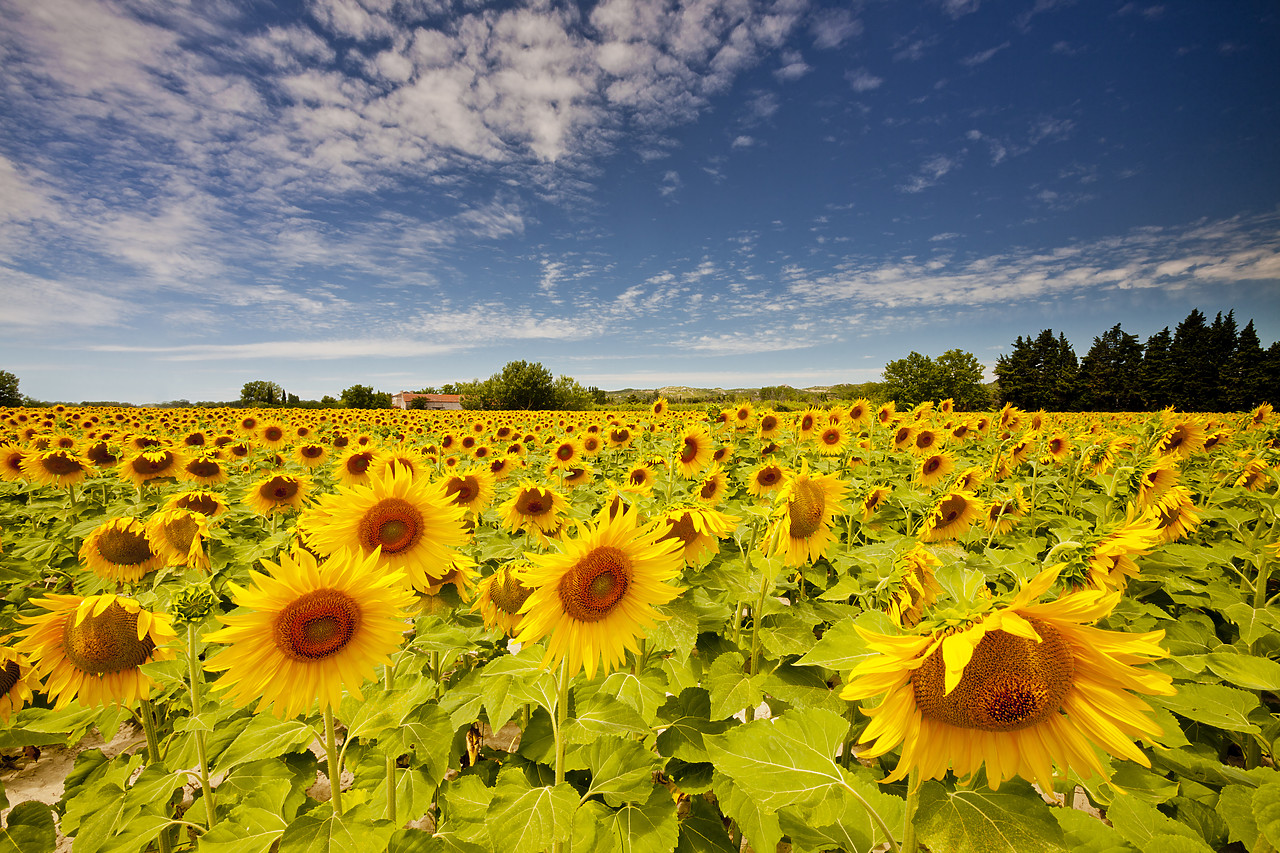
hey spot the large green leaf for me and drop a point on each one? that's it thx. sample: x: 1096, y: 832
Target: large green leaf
x: 1213, y: 704
x: 1087, y: 834
x: 265, y: 737
x: 1014, y: 819
x: 650, y: 827
x: 688, y: 718
x: 523, y: 819
x: 645, y: 692
x: 247, y: 829
x: 841, y: 647
x: 1143, y: 826
x: 621, y: 770
x: 1235, y: 807
x: 731, y: 688
x: 1247, y: 671
x: 844, y: 821
x: 323, y: 832
x: 277, y: 785
x: 599, y: 715
x: 760, y: 827
x: 703, y: 831
x: 1266, y: 812
x: 28, y: 829
x: 782, y: 761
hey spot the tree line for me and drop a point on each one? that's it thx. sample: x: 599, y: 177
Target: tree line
x: 1201, y: 366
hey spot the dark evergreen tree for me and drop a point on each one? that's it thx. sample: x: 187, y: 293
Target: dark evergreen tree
x: 1157, y: 370
x: 1039, y: 374
x: 1244, y: 378
x: 1111, y: 373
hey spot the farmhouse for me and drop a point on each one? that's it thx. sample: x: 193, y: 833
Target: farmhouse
x: 434, y: 401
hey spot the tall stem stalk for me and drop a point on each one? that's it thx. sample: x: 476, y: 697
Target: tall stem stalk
x: 193, y: 671
x: 388, y: 676
x: 557, y: 729
x: 335, y: 766
x: 153, y: 755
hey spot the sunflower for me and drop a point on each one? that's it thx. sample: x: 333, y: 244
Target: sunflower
x: 886, y: 413
x: 713, y: 488
x: 277, y: 493
x: 16, y: 678
x: 1020, y: 689
x: 178, y: 535
x: 873, y: 500
x: 57, y: 467
x: 121, y: 550
x: 98, y: 453
x: 471, y: 490
x: 207, y: 503
x: 770, y: 426
x: 203, y: 469
x: 502, y: 466
x: 766, y: 479
x: 354, y: 467
x: 1253, y: 477
x: 970, y: 479
x: 804, y: 510
x: 915, y: 587
x: 927, y: 441
x: 619, y: 436
x: 808, y: 423
x: 578, y: 475
x: 403, y: 457
x: 833, y: 440
x: 1005, y: 509
x: 534, y: 508
x: 311, y: 455
x: 11, y: 457
x: 1183, y: 439
x: 147, y: 465
x: 640, y: 479
x: 1154, y: 476
x: 594, y: 598
x: 659, y: 407
x: 903, y: 437
x: 951, y: 517
x: 1110, y: 562
x: 693, y: 451
x: 860, y: 414
x: 742, y: 416
x: 1058, y: 447
x: 307, y: 630
x: 699, y: 529
x: 1175, y: 515
x: 933, y: 470
x: 500, y: 597
x: 92, y: 648
x: 411, y: 524
x: 566, y: 453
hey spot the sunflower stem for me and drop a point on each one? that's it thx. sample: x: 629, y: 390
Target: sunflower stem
x: 557, y: 729
x: 153, y: 755
x: 193, y: 670
x: 388, y: 677
x: 335, y: 765
x: 909, y: 843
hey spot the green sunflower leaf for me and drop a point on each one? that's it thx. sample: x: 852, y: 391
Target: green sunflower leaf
x: 621, y: 770
x: 1247, y: 671
x: 842, y: 647
x: 522, y: 819
x: 782, y: 761
x: 688, y: 719
x: 265, y: 737
x: 246, y: 830
x: 1266, y: 812
x: 329, y: 833
x: 1087, y: 834
x: 599, y: 715
x: 28, y: 829
x: 731, y: 688
x: 650, y: 827
x: 1141, y: 824
x: 1014, y: 819
x: 703, y: 831
x: 1213, y: 704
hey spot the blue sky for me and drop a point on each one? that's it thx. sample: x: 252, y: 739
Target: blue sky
x: 726, y: 193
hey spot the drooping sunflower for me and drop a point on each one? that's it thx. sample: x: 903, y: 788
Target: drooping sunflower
x: 121, y: 550
x: 410, y: 522
x: 1110, y: 561
x: 203, y: 469
x: 578, y: 475
x: 874, y: 498
x: 277, y: 493
x: 178, y: 535
x: 954, y: 513
x: 1184, y: 438
x: 595, y: 597
x: 16, y: 677
x: 91, y: 648
x: 1005, y: 509
x: 1154, y: 476
x: 640, y: 479
x: 693, y: 451
x: 970, y: 478
x: 713, y: 488
x: 471, y: 490
x: 11, y: 457
x: 1022, y: 689
x: 913, y: 587
x: 311, y: 455
x: 659, y: 407
x: 1175, y: 514
x: 306, y: 630
x: 803, y: 511
x: 766, y: 479
x: 699, y: 530
x: 57, y: 467
x: 147, y: 465
x: 207, y: 503
x: 534, y: 508
x: 500, y: 597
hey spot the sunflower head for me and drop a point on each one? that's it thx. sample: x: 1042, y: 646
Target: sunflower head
x: 121, y: 550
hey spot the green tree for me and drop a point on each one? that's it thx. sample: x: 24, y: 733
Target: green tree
x: 520, y: 385
x: 1111, y: 373
x: 1244, y: 378
x: 364, y: 397
x: 262, y: 393
x: 918, y: 378
x: 9, y: 395
x: 1040, y: 373
x: 1157, y: 370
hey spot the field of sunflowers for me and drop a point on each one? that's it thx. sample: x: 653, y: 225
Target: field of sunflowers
x: 849, y: 628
